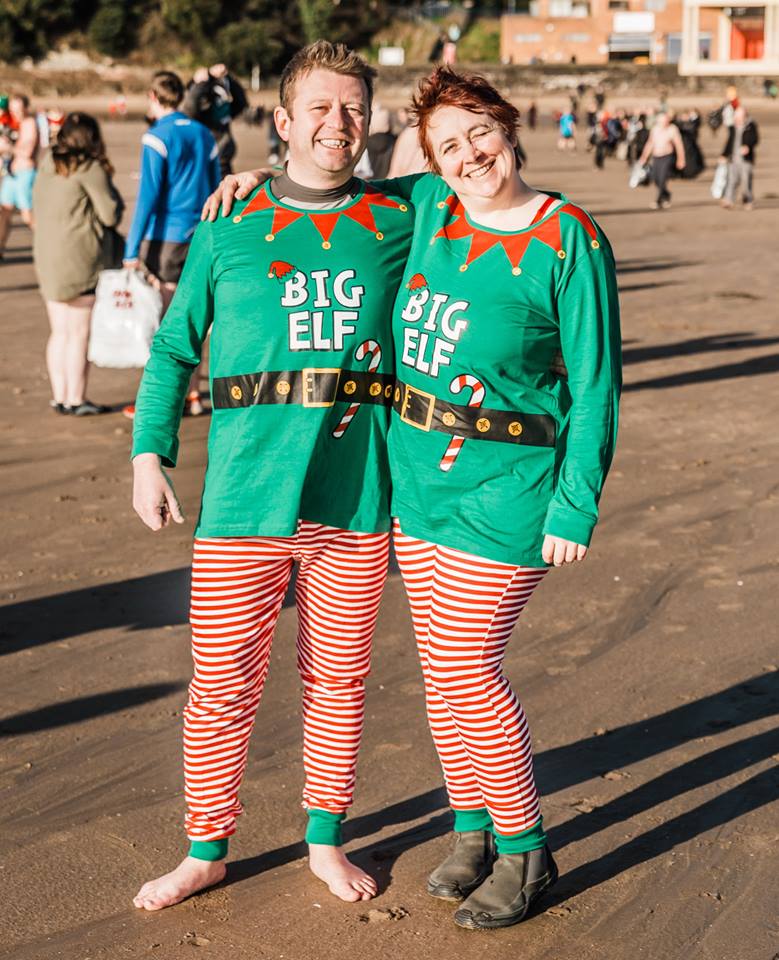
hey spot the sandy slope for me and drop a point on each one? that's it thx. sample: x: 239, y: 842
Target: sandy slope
x: 649, y: 674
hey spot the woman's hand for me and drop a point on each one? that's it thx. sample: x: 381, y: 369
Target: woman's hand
x: 558, y: 551
x: 154, y: 499
x: 235, y: 186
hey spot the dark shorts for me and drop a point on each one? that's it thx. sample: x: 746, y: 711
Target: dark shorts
x: 164, y: 259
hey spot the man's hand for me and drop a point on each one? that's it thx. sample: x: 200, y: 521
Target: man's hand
x: 558, y: 551
x: 235, y: 186
x: 131, y: 265
x: 154, y: 499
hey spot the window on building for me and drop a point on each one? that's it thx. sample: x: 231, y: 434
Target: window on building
x: 619, y: 5
x: 568, y: 8
x: 673, y: 47
x: 656, y: 6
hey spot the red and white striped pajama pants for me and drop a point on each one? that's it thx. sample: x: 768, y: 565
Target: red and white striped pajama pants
x: 238, y: 587
x: 464, y: 609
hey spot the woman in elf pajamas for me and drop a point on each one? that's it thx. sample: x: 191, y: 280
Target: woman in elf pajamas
x: 497, y: 464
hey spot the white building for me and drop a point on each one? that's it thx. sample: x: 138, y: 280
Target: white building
x: 747, y: 39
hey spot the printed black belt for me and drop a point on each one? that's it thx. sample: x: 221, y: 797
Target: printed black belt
x: 427, y: 412
x: 311, y: 387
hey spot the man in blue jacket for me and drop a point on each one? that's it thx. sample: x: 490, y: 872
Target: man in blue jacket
x: 179, y: 169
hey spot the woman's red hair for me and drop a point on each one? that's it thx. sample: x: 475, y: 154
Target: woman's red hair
x: 447, y: 88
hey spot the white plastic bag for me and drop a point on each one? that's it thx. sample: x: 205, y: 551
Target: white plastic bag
x: 639, y: 175
x: 125, y: 318
x: 720, y: 180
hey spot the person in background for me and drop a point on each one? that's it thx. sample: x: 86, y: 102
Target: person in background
x: 276, y: 146
x: 22, y: 154
x: 664, y: 150
x: 739, y: 153
x: 381, y: 141
x: 179, y: 169
x: 689, y: 124
x: 407, y: 157
x: 567, y: 128
x: 729, y: 107
x: 532, y: 115
x: 215, y: 99
x: 77, y: 207
x: 600, y: 136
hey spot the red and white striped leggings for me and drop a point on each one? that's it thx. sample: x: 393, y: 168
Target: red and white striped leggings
x: 238, y: 587
x: 464, y: 609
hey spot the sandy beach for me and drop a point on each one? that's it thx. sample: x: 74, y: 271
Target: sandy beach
x: 649, y: 674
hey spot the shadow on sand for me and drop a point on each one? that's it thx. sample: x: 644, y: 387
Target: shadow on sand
x: 564, y: 767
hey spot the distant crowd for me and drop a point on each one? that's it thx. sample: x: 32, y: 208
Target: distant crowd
x: 189, y: 147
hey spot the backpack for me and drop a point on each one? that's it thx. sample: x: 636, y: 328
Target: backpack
x: 714, y: 119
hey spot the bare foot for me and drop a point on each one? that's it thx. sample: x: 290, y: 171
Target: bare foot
x: 343, y: 878
x: 189, y: 876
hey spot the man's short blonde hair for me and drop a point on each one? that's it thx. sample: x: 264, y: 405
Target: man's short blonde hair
x: 324, y: 55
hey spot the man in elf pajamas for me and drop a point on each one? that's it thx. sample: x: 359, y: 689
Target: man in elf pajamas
x: 296, y: 288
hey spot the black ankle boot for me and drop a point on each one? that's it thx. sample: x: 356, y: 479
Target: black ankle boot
x: 504, y: 898
x: 466, y: 867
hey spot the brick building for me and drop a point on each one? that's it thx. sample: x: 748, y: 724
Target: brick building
x: 602, y: 31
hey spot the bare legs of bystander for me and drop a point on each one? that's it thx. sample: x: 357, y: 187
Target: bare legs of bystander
x: 66, y: 350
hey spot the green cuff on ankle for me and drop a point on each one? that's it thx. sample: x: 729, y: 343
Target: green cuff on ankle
x: 531, y: 839
x: 324, y: 827
x: 465, y: 820
x: 208, y: 849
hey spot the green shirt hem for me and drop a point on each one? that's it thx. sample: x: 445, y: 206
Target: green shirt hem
x: 415, y: 526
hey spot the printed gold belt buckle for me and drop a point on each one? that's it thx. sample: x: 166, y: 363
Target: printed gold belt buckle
x: 428, y: 398
x: 310, y: 375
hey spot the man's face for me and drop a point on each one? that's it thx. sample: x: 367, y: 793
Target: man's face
x: 327, y: 125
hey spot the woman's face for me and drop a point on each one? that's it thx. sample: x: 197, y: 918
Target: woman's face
x: 472, y: 151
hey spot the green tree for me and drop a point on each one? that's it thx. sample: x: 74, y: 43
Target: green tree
x: 315, y: 18
x: 29, y: 27
x: 109, y: 29
x: 193, y: 20
x: 244, y: 43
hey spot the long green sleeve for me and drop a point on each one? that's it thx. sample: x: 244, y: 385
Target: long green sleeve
x: 175, y: 353
x: 588, y: 309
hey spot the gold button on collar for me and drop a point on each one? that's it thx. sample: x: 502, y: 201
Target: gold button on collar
x: 463, y: 267
x: 283, y: 388
x: 269, y: 237
x: 595, y: 245
x: 379, y: 235
x: 375, y: 389
x: 483, y: 424
x: 561, y: 254
x: 326, y: 245
x: 517, y: 271
x: 237, y: 219
x: 403, y: 208
x: 515, y: 428
x: 349, y: 387
x: 235, y: 392
x: 449, y: 419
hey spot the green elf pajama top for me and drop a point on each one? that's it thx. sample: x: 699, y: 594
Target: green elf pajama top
x: 298, y: 303
x: 489, y: 450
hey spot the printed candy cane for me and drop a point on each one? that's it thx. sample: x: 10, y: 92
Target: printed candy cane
x: 477, y: 398
x: 365, y: 348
